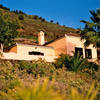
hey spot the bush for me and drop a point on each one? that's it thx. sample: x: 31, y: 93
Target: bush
x: 18, y: 12
x: 23, y: 65
x: 43, y: 20
x: 5, y: 8
x: 57, y: 23
x: 40, y: 18
x: 51, y: 21
x: 36, y: 68
x: 35, y: 17
x: 45, y: 92
x: 21, y: 17
x: 62, y: 61
x: 75, y: 63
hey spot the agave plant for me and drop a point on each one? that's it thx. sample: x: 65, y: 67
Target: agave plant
x: 74, y: 63
x: 77, y: 63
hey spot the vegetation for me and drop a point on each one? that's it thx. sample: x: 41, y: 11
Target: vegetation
x: 68, y: 78
x: 18, y: 12
x: 91, y: 31
x: 32, y: 24
x: 21, y: 17
x: 5, y: 8
x: 14, y: 73
x: 75, y: 63
x: 43, y: 92
x: 8, y: 30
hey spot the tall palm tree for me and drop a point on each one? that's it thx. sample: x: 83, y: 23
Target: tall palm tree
x: 91, y: 31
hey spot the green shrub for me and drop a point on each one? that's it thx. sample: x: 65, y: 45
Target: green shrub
x: 45, y: 92
x: 51, y: 21
x: 21, y: 17
x: 57, y: 23
x: 75, y: 63
x: 29, y: 67
x: 62, y: 61
x: 13, y: 83
x: 43, y: 20
x: 35, y: 17
x: 36, y: 68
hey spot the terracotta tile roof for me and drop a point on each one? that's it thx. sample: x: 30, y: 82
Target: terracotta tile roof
x: 73, y: 34
x: 26, y: 41
x: 68, y: 34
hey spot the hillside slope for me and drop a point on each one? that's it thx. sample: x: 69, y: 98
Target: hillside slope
x: 32, y: 24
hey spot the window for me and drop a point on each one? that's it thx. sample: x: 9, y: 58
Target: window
x: 88, y: 53
x: 79, y: 51
x: 98, y: 53
x: 36, y: 53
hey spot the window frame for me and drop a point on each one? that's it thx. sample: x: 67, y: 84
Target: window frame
x: 89, y: 51
x: 35, y: 53
x: 81, y: 52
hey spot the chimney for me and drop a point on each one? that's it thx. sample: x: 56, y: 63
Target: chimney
x: 41, y: 40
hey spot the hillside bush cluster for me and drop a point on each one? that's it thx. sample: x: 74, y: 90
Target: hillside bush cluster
x: 12, y: 72
x: 45, y: 92
x: 76, y: 63
x: 18, y: 12
x: 35, y: 17
x: 5, y: 8
x: 21, y: 17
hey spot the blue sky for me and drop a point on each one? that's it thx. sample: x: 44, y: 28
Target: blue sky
x: 66, y: 12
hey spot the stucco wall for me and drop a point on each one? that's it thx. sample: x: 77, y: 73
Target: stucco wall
x: 13, y: 49
x: 23, y: 53
x: 59, y: 46
x: 65, y: 45
x: 73, y: 42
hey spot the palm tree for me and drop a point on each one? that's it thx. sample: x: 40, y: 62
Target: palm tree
x: 91, y: 31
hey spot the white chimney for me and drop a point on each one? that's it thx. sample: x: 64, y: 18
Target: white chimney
x: 41, y: 39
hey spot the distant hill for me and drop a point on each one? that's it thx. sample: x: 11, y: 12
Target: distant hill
x: 32, y: 24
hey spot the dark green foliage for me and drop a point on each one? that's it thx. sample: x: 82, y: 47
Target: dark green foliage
x: 35, y: 17
x: 51, y: 21
x: 36, y: 68
x: 8, y: 30
x: 57, y: 23
x: 27, y: 66
x: 62, y: 61
x: 91, y: 30
x: 43, y: 20
x: 11, y: 74
x: 93, y: 66
x: 21, y: 17
x: 5, y: 8
x: 33, y: 26
x: 8, y: 79
x: 18, y: 12
x: 75, y: 63
x: 40, y: 18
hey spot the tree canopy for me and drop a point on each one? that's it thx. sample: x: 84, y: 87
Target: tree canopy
x: 8, y: 30
x: 91, y: 31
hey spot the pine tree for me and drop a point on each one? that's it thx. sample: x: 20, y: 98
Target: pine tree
x: 91, y: 31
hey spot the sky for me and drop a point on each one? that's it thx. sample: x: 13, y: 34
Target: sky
x: 66, y: 12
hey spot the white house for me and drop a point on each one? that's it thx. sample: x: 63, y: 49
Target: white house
x: 49, y: 51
